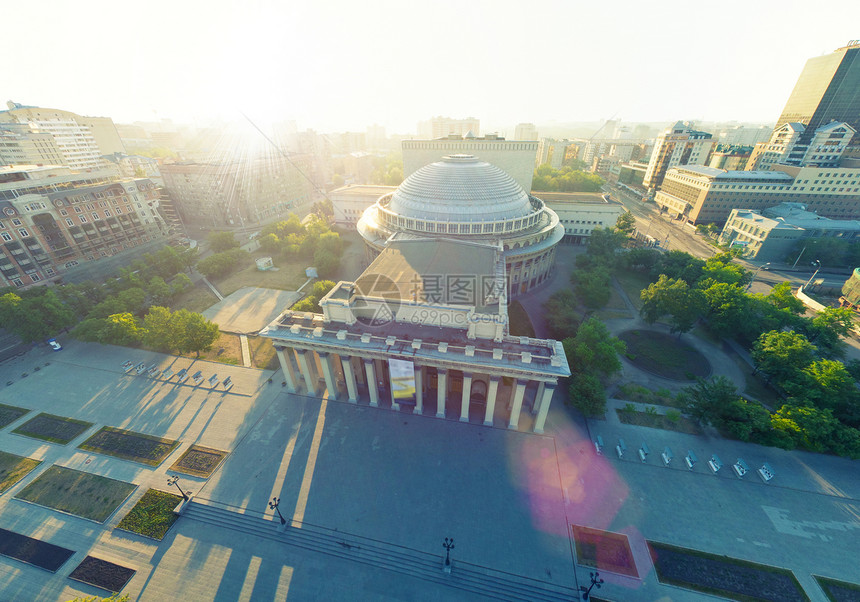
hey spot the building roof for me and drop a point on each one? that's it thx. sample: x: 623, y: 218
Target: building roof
x: 722, y: 174
x: 425, y: 270
x: 460, y: 188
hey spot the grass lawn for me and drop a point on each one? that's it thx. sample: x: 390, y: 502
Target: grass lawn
x: 14, y: 468
x: 520, y: 323
x: 263, y: 353
x: 79, y: 493
x: 658, y: 421
x: 604, y: 550
x: 732, y: 578
x: 152, y: 515
x: 197, y: 299
x: 640, y: 394
x: 633, y: 283
x: 101, y: 573
x: 839, y: 591
x: 226, y: 349
x: 9, y: 414
x: 615, y: 300
x: 664, y: 355
x: 55, y: 429
x: 288, y: 277
x: 199, y: 461
x: 129, y: 445
x: 756, y: 388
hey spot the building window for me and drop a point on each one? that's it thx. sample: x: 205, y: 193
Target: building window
x: 107, y: 212
x: 83, y: 218
x: 35, y: 277
x: 6, y: 236
x: 69, y: 222
x: 16, y: 222
x: 95, y: 216
x: 17, y: 282
x: 23, y: 232
x: 63, y: 212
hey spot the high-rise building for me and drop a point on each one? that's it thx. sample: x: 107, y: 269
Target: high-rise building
x: 828, y: 89
x: 678, y: 145
x: 825, y: 147
x: 80, y: 140
x: 525, y: 131
x: 440, y: 127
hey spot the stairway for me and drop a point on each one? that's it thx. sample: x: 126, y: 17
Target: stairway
x: 465, y: 576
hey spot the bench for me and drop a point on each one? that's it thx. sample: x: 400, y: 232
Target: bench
x: 667, y: 456
x: 766, y: 472
x: 140, y: 368
x: 598, y: 445
x: 228, y: 383
x: 127, y: 365
x: 182, y: 375
x: 644, y: 451
x: 715, y: 463
x: 620, y: 448
x: 690, y: 459
x: 167, y: 373
x: 740, y: 467
x: 213, y: 380
x: 197, y: 377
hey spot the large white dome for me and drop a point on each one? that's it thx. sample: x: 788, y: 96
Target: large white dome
x: 460, y: 188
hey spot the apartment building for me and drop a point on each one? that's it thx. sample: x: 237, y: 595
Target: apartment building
x: 53, y: 219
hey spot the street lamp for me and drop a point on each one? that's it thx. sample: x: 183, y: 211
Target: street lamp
x: 813, y: 273
x: 174, y: 481
x: 448, y: 544
x: 594, y: 581
x: 273, y: 505
x: 760, y: 268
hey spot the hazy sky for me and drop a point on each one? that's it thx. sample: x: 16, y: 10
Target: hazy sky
x: 343, y: 64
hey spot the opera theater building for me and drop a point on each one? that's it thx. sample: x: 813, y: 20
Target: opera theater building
x: 424, y: 328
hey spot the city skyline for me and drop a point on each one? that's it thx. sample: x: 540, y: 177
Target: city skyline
x: 380, y: 63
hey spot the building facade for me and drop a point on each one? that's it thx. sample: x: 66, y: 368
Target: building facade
x: 53, y: 219
x: 464, y: 198
x: 516, y: 157
x: 424, y: 329
x: 828, y: 89
x: 705, y: 194
x: 678, y: 145
x: 581, y: 212
x: 350, y: 202
x: 826, y: 147
x: 238, y: 192
x: 772, y: 234
x: 442, y: 127
x: 525, y: 131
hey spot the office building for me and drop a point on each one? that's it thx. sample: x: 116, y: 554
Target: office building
x: 678, y: 145
x: 704, y: 194
x: 53, y: 219
x: 442, y: 127
x: 828, y: 89
x: 350, y: 202
x: 525, y: 131
x: 825, y: 148
x: 581, y: 212
x: 772, y: 234
x: 516, y: 157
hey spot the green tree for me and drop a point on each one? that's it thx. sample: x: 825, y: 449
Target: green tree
x: 35, y: 316
x: 727, y: 309
x: 312, y: 302
x: 193, y: 331
x: 121, y: 329
x: 562, y: 315
x: 720, y: 268
x: 811, y: 427
x: 594, y: 350
x: 587, y: 394
x: 626, y: 223
x: 673, y: 298
x: 222, y: 241
x: 746, y: 420
x: 180, y: 284
x: 680, y: 265
x: 158, y: 291
x: 829, y: 327
x: 592, y: 286
x: 827, y: 384
x: 159, y: 333
x: 708, y: 400
x: 604, y: 243
x: 782, y: 355
x: 781, y: 297
x: 270, y: 243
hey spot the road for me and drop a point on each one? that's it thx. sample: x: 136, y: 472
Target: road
x: 671, y: 234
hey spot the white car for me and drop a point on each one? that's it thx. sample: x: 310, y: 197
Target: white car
x: 54, y: 345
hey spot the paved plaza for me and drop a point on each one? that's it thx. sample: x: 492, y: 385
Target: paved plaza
x: 405, y: 482
x: 249, y: 309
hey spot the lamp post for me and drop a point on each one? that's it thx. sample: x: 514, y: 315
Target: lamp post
x: 813, y: 273
x: 594, y: 581
x: 273, y: 505
x: 448, y: 544
x: 760, y: 268
x: 174, y: 481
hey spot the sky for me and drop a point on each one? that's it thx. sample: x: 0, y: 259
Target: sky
x: 340, y: 65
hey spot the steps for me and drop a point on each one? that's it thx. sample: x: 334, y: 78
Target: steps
x: 469, y: 577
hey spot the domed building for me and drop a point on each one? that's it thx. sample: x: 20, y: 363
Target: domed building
x: 464, y: 198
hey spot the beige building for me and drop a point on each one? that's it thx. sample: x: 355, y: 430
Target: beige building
x: 423, y: 330
x: 465, y: 198
x: 350, y: 202
x: 516, y: 157
x: 825, y: 147
x: 442, y: 127
x: 704, y: 194
x: 525, y: 131
x: 678, y: 145
x: 53, y: 219
x: 581, y: 212
x: 238, y: 192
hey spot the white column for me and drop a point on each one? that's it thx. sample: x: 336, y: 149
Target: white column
x: 441, y: 392
x: 328, y: 374
x: 549, y: 389
x: 519, y: 391
x: 538, y: 397
x: 349, y: 377
x: 307, y: 370
x: 419, y: 390
x: 467, y: 394
x: 491, y: 400
x: 371, y: 382
x: 288, y: 370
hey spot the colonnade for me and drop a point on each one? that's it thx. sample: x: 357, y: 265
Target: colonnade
x: 299, y: 367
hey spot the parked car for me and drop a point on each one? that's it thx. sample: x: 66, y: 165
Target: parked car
x: 54, y: 345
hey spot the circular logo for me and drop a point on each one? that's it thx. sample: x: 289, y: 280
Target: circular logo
x: 377, y: 301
